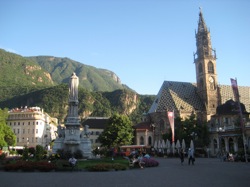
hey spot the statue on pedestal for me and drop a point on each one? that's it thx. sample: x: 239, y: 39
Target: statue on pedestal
x: 73, y: 87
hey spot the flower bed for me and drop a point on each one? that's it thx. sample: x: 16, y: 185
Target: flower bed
x: 29, y: 166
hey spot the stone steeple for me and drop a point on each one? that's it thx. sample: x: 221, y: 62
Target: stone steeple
x: 205, y: 64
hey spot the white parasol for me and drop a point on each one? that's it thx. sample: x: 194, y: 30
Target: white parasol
x: 159, y: 146
x: 155, y: 145
x: 178, y: 145
x: 163, y: 145
x: 173, y: 148
x: 183, y: 144
x: 192, y: 144
x: 168, y: 146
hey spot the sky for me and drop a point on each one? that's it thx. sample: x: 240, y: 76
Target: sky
x: 144, y: 42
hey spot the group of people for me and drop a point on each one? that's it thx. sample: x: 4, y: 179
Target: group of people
x: 191, y: 158
x: 137, y: 158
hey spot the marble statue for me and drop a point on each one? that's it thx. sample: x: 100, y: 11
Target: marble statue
x: 73, y: 87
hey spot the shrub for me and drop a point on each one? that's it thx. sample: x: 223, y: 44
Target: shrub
x: 100, y: 167
x: 39, y: 152
x: 150, y: 162
x: 45, y: 166
x: 25, y: 153
x: 78, y: 154
x: 3, y: 156
x: 118, y: 166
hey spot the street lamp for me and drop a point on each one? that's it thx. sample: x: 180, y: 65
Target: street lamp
x: 153, y: 128
x: 220, y: 141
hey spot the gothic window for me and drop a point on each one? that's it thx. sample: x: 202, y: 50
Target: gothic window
x: 141, y: 140
x: 210, y: 67
x: 200, y: 68
x: 150, y: 140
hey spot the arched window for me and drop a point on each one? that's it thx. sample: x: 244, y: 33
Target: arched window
x: 210, y: 67
x: 141, y: 140
x: 149, y: 140
x: 200, y: 68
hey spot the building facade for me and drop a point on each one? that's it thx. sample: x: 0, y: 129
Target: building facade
x: 32, y: 126
x: 201, y: 98
x: 96, y: 127
x: 226, y: 130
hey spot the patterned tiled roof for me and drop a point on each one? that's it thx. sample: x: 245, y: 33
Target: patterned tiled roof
x: 227, y: 94
x: 177, y: 96
x: 183, y: 96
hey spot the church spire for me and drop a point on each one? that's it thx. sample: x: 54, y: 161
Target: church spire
x: 201, y: 24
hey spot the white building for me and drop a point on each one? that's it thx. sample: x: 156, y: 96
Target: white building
x: 32, y: 126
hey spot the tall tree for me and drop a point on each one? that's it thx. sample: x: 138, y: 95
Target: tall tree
x: 119, y: 131
x: 7, y: 137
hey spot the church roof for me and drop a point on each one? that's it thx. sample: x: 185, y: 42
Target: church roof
x: 183, y: 96
x: 143, y: 125
x: 177, y: 96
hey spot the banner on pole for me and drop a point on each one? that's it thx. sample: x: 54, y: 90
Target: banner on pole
x: 171, y: 121
x: 235, y: 89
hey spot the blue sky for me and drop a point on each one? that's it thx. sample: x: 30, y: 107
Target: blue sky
x: 143, y: 41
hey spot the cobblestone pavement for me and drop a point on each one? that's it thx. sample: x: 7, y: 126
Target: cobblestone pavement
x: 206, y: 172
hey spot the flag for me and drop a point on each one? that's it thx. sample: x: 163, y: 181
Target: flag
x: 171, y: 121
x: 235, y: 89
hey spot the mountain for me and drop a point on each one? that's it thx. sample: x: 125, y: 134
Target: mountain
x: 19, y: 75
x: 54, y: 101
x: 43, y: 81
x: 90, y: 78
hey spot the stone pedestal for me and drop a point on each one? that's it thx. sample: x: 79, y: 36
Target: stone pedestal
x: 71, y: 138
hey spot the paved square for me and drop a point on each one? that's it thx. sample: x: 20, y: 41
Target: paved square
x: 206, y: 172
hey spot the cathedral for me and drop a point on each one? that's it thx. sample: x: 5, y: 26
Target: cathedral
x: 184, y: 98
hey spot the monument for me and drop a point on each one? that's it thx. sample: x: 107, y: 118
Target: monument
x: 71, y: 137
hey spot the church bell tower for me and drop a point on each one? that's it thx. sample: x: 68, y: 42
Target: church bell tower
x: 205, y: 65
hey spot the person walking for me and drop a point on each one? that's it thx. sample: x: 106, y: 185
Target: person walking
x: 191, y: 156
x: 182, y: 155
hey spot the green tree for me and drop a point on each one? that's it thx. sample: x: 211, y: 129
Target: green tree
x: 119, y: 131
x: 7, y: 137
x: 39, y: 152
x: 189, y: 129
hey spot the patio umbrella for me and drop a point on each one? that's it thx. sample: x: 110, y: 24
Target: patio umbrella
x: 163, y: 145
x: 159, y: 145
x: 178, y: 145
x: 168, y: 146
x: 183, y: 144
x: 192, y: 144
x: 173, y: 147
x: 155, y: 145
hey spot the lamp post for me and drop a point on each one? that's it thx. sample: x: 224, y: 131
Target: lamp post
x: 220, y: 142
x: 153, y: 128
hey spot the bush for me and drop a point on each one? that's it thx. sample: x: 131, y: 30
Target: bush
x: 45, y: 166
x: 99, y: 167
x: 3, y: 156
x: 150, y: 162
x: 39, y: 152
x: 29, y: 166
x: 78, y: 154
